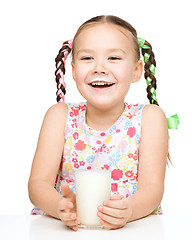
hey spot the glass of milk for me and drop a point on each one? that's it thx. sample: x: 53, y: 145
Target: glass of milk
x: 92, y: 188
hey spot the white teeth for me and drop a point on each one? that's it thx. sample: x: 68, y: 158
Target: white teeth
x: 100, y: 80
x: 101, y: 84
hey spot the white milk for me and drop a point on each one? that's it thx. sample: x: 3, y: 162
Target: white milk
x: 92, y: 188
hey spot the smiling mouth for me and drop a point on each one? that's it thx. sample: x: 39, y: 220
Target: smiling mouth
x: 101, y: 84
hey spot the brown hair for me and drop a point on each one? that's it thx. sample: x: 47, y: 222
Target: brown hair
x: 122, y: 23
x: 113, y: 20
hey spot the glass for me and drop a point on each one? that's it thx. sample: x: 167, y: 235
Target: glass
x: 92, y: 188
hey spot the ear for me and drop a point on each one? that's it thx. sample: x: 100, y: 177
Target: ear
x: 73, y: 70
x: 138, y: 71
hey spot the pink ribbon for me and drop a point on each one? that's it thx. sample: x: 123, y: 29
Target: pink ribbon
x: 62, y: 79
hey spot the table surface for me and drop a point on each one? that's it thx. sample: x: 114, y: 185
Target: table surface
x: 42, y: 227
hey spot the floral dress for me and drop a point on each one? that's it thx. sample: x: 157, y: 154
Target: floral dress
x: 115, y: 149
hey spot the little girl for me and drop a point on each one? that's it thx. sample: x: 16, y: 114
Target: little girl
x: 131, y: 140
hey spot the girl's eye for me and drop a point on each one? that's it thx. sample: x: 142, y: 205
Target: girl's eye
x: 86, y: 58
x: 114, y: 58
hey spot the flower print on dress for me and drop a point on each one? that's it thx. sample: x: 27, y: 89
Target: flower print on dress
x: 110, y: 130
x: 82, y: 107
x: 74, y: 125
x: 75, y: 135
x: 135, y: 157
x: 122, y: 145
x: 109, y: 138
x: 76, y: 111
x: 125, y: 192
x: 82, y: 163
x: 129, y: 174
x: 90, y: 159
x: 129, y: 115
x: 76, y: 165
x: 131, y: 131
x: 134, y: 188
x: 114, y: 159
x: 115, y: 149
x: 67, y: 129
x: 105, y: 167
x: 80, y: 145
x: 116, y: 174
x: 68, y: 166
x: 137, y: 138
x: 74, y: 160
x: 114, y: 187
x: 88, y: 133
x: 127, y: 125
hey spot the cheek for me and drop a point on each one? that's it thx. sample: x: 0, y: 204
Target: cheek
x: 80, y: 73
x: 123, y: 75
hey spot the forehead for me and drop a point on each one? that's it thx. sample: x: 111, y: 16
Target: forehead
x: 107, y: 34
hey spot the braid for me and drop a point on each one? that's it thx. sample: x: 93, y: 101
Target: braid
x: 150, y: 64
x: 60, y: 71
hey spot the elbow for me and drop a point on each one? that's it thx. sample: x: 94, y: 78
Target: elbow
x: 30, y: 191
x: 158, y: 191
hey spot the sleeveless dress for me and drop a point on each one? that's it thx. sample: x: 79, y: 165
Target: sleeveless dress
x: 115, y: 149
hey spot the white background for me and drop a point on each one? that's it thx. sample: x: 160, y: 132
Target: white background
x: 31, y: 35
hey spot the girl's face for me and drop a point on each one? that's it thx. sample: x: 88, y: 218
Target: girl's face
x: 104, y: 64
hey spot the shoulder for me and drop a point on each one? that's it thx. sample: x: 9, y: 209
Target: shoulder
x: 153, y: 114
x: 154, y: 123
x: 56, y: 115
x: 58, y: 109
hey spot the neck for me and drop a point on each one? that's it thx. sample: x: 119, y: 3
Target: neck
x: 103, y: 119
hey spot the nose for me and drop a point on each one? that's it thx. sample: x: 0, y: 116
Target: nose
x: 100, y: 68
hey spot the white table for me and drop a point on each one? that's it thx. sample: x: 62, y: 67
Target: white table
x: 42, y: 227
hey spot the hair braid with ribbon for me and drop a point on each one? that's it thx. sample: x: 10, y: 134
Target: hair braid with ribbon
x: 150, y: 64
x: 60, y: 69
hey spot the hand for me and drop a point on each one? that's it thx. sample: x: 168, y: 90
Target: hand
x: 115, y: 212
x: 67, y: 208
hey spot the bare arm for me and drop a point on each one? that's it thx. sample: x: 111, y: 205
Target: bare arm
x: 153, y: 152
x: 47, y: 160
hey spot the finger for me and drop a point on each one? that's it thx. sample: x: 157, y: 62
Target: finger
x: 75, y: 227
x: 70, y: 220
x: 67, y: 216
x: 65, y: 205
x: 112, y: 220
x: 66, y: 191
x: 108, y: 225
x: 71, y: 223
x: 118, y: 204
x: 113, y: 212
x: 117, y: 197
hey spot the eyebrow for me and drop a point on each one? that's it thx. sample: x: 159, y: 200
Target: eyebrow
x: 108, y: 50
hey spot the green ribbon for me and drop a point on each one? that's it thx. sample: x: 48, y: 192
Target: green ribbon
x: 148, y: 81
x: 141, y: 42
x: 146, y: 57
x: 152, y: 90
x: 173, y: 122
x: 153, y: 96
x: 152, y: 69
